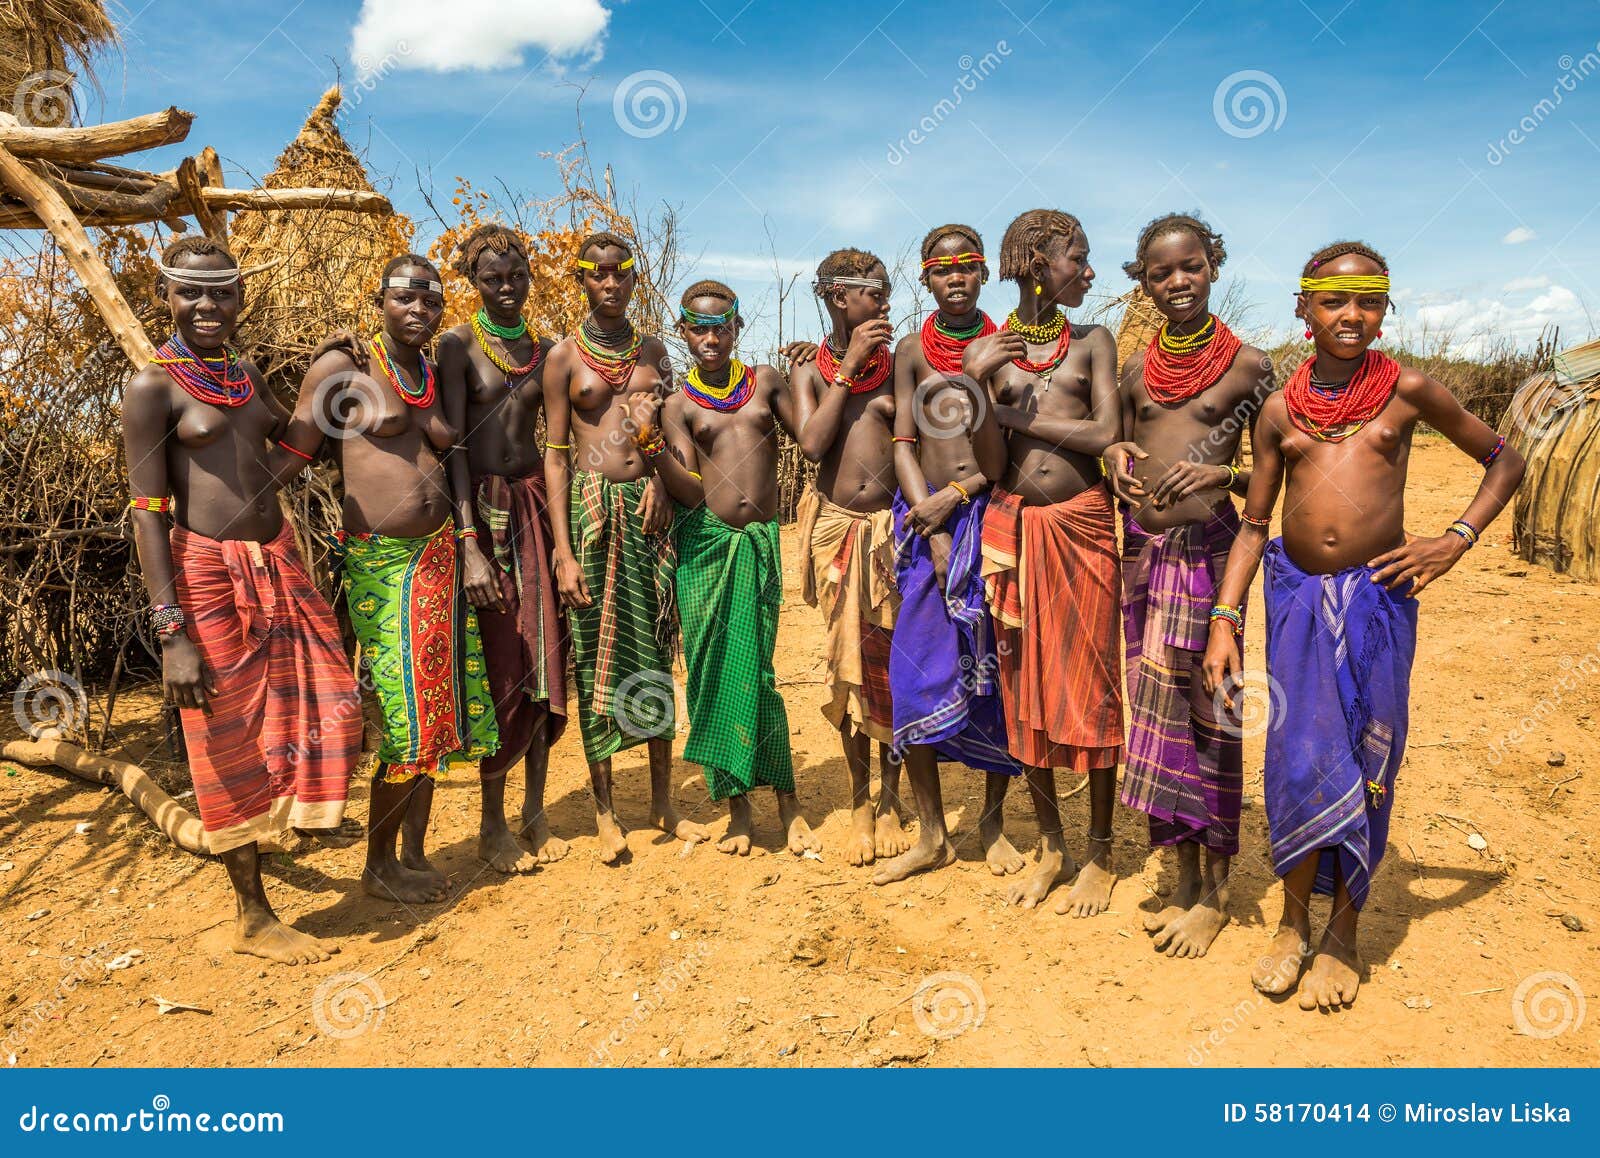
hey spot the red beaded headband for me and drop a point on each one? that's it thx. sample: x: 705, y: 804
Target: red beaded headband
x: 954, y: 259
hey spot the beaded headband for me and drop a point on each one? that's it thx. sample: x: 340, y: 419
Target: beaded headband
x: 606, y: 267
x: 417, y: 283
x: 1369, y: 283
x: 954, y: 259
x: 699, y: 319
x: 200, y: 277
x: 823, y: 284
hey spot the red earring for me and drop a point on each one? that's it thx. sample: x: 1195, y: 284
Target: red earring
x: 1308, y: 333
x: 1380, y: 333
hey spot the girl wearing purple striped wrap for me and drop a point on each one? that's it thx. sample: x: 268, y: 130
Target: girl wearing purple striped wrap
x: 1341, y: 612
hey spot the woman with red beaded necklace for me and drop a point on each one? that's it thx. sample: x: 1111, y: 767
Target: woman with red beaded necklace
x: 419, y: 638
x: 250, y: 650
x: 1341, y: 610
x: 1050, y: 546
x: 1186, y: 400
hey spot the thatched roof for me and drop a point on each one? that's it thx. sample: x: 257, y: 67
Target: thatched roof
x: 50, y: 35
x: 1140, y: 322
x: 325, y: 262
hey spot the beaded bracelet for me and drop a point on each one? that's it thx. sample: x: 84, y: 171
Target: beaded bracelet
x: 466, y: 533
x: 166, y: 618
x: 1233, y: 475
x: 558, y: 446
x: 844, y: 380
x: 1465, y: 529
x: 1494, y: 453
x: 144, y: 504
x: 695, y: 474
x: 904, y: 438
x: 1253, y: 521
x: 293, y: 451
x: 960, y: 490
x: 1232, y: 614
x: 653, y: 446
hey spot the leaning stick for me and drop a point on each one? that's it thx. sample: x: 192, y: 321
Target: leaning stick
x: 182, y: 827
x: 76, y: 145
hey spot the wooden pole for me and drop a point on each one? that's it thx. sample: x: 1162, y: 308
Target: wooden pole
x: 36, y: 193
x: 91, y: 142
x: 350, y: 200
x: 211, y: 174
x: 190, y: 186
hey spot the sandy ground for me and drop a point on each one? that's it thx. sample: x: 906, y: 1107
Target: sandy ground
x: 686, y: 956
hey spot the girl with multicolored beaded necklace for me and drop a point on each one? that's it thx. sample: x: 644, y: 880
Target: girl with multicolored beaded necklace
x: 1341, y: 586
x: 250, y: 650
x: 491, y: 376
x: 1050, y: 546
x: 716, y: 448
x: 419, y: 637
x: 1185, y: 400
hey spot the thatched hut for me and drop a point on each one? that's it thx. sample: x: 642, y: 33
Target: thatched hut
x: 1554, y: 420
x: 1141, y: 321
x: 42, y: 37
x: 322, y: 265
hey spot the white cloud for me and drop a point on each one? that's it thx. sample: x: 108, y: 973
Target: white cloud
x: 1472, y: 326
x: 473, y: 34
x: 1519, y: 235
x: 1519, y: 284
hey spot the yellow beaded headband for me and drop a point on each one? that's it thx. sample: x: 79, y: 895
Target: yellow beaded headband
x: 606, y: 267
x: 1346, y: 284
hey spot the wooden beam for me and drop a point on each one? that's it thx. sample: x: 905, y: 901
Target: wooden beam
x: 211, y: 174
x: 149, y: 205
x: 349, y: 200
x: 189, y: 183
x: 91, y: 142
x: 48, y: 206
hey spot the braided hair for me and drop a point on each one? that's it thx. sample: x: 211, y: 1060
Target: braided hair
x: 197, y: 246
x: 1031, y: 237
x: 1210, y: 241
x: 604, y: 240
x: 489, y: 238
x: 844, y: 263
x: 708, y: 289
x: 1342, y: 249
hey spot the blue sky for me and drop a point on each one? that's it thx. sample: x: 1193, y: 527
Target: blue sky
x: 790, y: 128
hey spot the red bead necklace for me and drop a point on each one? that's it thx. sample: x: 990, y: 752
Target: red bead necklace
x: 872, y: 375
x: 1334, y: 415
x: 943, y: 348
x: 1176, y: 377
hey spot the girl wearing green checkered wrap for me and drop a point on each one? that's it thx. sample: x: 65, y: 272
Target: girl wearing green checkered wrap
x: 610, y: 542
x: 722, y: 430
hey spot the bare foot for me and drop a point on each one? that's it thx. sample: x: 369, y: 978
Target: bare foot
x: 1090, y: 894
x: 1334, y: 976
x: 266, y: 936
x: 890, y: 837
x: 737, y: 840
x: 669, y: 822
x: 1192, y: 933
x: 419, y: 863
x: 1054, y: 865
x: 797, y: 833
x: 1279, y: 968
x: 1184, y: 898
x: 921, y: 858
x: 859, y: 847
x: 1001, y: 855
x: 348, y: 833
x: 613, y: 838
x: 392, y: 881
x: 501, y: 851
x: 547, y: 849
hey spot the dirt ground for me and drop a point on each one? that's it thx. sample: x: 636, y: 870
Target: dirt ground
x: 688, y: 957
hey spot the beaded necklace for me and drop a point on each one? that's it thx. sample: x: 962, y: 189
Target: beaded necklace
x: 869, y: 378
x: 420, y: 396
x: 1057, y: 330
x: 218, y: 381
x: 1178, y: 368
x: 943, y: 346
x: 482, y: 327
x: 733, y: 394
x: 614, y: 366
x: 1332, y: 412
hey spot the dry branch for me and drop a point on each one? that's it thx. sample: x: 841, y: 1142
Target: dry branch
x: 79, y: 144
x: 349, y: 200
